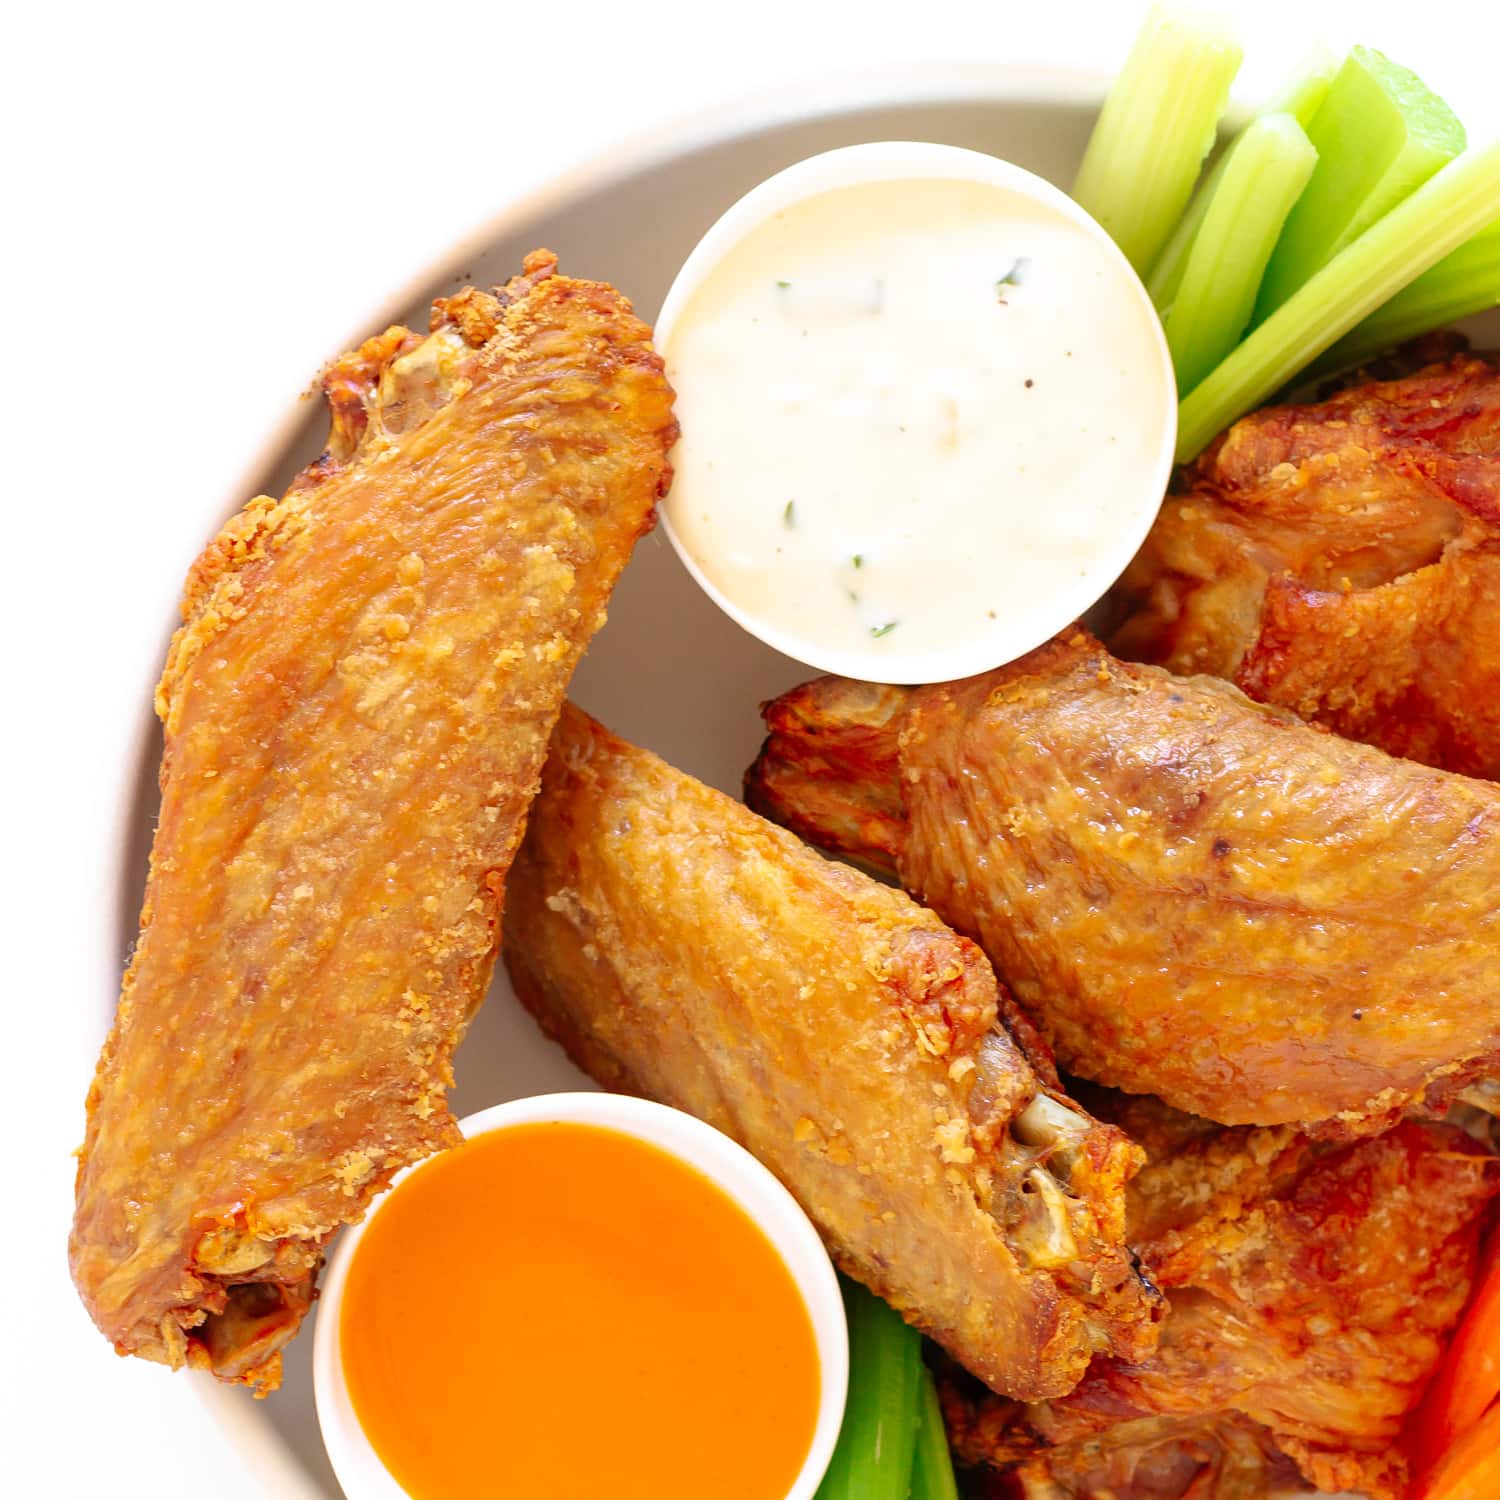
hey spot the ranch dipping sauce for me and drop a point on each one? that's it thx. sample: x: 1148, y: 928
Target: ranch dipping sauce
x: 926, y: 419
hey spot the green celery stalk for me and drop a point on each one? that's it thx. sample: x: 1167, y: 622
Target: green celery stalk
x: 1158, y: 123
x: 1303, y: 94
x: 873, y: 1457
x: 1301, y: 98
x: 1380, y: 134
x: 1445, y: 211
x: 932, y: 1476
x: 1263, y: 176
x: 1458, y: 286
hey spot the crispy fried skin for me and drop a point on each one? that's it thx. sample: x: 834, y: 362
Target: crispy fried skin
x: 682, y: 948
x: 1195, y: 896
x: 1309, y: 1287
x: 1223, y: 1457
x: 357, y: 708
x: 1343, y: 560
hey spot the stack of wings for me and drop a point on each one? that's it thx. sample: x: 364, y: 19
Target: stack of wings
x: 1310, y: 1286
x: 1289, y: 937
x: 1220, y: 1262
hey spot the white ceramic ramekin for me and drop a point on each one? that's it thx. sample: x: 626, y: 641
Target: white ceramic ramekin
x: 359, y: 1469
x: 1134, y: 506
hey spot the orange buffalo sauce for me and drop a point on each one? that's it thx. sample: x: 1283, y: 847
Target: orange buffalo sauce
x: 562, y: 1310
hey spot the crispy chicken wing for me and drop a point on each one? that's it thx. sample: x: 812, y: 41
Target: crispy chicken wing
x: 1343, y: 560
x: 682, y: 948
x: 357, y: 708
x: 1310, y: 1288
x: 1195, y: 896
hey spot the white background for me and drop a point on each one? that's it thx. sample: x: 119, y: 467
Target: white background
x: 204, y: 204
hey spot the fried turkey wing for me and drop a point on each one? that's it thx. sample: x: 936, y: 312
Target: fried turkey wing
x: 1195, y: 896
x: 1343, y: 560
x: 356, y: 708
x: 682, y: 948
x: 1310, y: 1288
x: 1148, y: 1458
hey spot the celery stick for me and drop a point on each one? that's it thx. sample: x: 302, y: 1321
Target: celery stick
x: 1436, y: 219
x: 1157, y: 125
x: 1304, y: 93
x: 1267, y: 169
x: 873, y: 1457
x: 932, y: 1469
x: 1301, y: 97
x: 1458, y: 286
x: 1380, y: 134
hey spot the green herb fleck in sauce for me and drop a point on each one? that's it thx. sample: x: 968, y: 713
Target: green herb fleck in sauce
x: 879, y: 630
x: 858, y: 560
x: 782, y: 285
x: 789, y: 515
x: 1012, y: 277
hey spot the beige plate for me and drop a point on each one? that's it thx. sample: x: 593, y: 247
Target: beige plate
x: 671, y: 671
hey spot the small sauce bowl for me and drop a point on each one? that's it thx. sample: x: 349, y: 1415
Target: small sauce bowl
x: 689, y: 1142
x: 928, y: 411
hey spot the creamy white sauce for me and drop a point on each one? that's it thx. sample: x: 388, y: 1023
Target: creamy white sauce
x: 909, y: 411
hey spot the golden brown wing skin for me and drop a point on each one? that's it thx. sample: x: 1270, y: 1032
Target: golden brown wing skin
x: 1310, y: 1289
x: 1223, y: 1457
x: 1195, y: 896
x: 1343, y: 560
x: 682, y: 948
x: 357, y: 708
